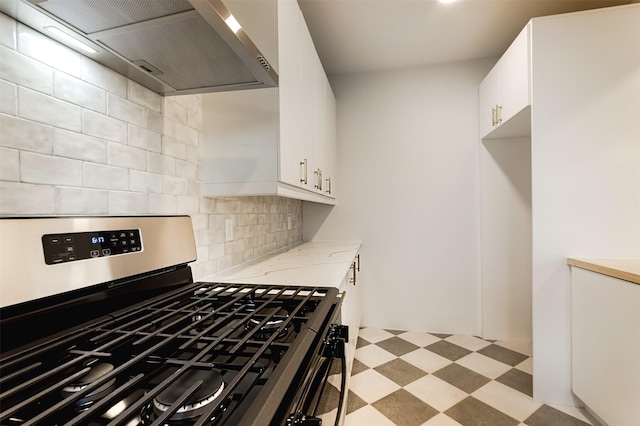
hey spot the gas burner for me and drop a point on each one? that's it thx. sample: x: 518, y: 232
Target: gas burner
x: 210, y: 389
x: 267, y: 329
x: 97, y: 370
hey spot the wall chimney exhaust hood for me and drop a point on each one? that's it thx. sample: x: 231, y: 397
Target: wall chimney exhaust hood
x: 173, y: 47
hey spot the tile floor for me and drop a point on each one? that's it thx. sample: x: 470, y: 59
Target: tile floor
x: 411, y: 378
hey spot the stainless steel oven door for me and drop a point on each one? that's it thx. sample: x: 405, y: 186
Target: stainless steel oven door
x: 322, y: 398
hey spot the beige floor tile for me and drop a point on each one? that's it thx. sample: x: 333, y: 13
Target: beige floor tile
x: 508, y: 400
x: 373, y: 356
x: 371, y: 386
x: 441, y: 420
x: 526, y: 366
x: 368, y: 416
x: 484, y: 365
x: 436, y: 392
x: 426, y: 360
x: 374, y: 335
x: 469, y: 342
x: 419, y: 338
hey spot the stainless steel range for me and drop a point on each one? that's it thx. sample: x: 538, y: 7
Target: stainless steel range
x: 102, y: 324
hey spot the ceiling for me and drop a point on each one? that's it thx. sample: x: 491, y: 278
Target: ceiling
x: 367, y: 35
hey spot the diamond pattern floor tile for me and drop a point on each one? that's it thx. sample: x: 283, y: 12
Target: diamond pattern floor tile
x: 403, y: 408
x: 400, y: 371
x: 410, y: 378
x: 547, y: 415
x: 397, y: 346
x: 503, y: 354
x: 472, y: 412
x: 448, y: 350
x: 462, y: 378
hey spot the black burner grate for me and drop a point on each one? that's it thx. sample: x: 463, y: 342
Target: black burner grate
x: 121, y: 368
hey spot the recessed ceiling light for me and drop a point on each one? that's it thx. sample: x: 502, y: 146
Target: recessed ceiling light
x: 446, y: 1
x: 70, y: 40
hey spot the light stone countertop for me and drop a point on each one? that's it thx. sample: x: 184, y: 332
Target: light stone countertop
x: 624, y: 269
x: 314, y: 263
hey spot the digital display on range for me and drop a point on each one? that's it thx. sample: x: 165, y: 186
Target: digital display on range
x: 60, y: 248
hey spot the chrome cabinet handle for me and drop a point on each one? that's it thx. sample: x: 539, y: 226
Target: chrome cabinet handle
x: 328, y: 191
x: 303, y: 179
x: 498, y: 114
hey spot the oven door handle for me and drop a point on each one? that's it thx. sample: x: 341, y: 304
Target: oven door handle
x: 333, y: 349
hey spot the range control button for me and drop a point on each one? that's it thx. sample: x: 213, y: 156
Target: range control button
x: 68, y: 239
x: 94, y: 253
x: 69, y: 249
x: 54, y: 240
x: 106, y: 252
x: 57, y: 259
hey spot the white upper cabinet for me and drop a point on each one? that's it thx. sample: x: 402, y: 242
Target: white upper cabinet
x: 278, y: 141
x: 504, y: 94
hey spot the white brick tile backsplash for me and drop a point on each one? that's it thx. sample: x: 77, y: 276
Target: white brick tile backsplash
x: 190, y: 102
x: 73, y: 89
x: 44, y: 49
x: 158, y: 163
x: 104, y: 127
x: 188, y: 204
x: 114, y: 147
x: 79, y: 201
x: 174, y: 110
x: 126, y: 203
x: 45, y: 169
x: 9, y: 164
x: 8, y: 98
x: 25, y: 71
x: 124, y: 110
x: 175, y: 186
x: 98, y: 75
x: 145, y: 139
x: 163, y: 204
x: 127, y: 156
x: 26, y: 199
x: 105, y: 177
x: 174, y: 148
x: 48, y: 110
x: 144, y: 97
x: 25, y: 135
x: 145, y: 182
x: 186, y: 169
x: 7, y: 32
x: 172, y: 128
x: 81, y: 147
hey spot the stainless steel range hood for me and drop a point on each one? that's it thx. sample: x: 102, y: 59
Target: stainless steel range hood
x: 170, y: 46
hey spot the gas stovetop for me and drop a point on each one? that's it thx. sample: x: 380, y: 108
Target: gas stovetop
x: 199, y: 355
x: 102, y: 324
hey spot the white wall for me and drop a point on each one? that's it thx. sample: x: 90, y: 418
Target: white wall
x: 79, y: 139
x: 585, y: 167
x: 408, y: 187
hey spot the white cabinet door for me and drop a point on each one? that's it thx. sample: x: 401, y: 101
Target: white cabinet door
x: 505, y: 91
x: 291, y: 95
x: 514, y: 83
x: 488, y: 99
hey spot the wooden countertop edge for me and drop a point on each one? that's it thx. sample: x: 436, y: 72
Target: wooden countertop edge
x: 624, y: 269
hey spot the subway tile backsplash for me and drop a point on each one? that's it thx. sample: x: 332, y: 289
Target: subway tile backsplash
x: 79, y: 139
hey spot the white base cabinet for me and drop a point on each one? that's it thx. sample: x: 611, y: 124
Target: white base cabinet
x: 605, y: 346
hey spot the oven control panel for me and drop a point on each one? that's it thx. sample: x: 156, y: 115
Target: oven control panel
x: 60, y: 248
